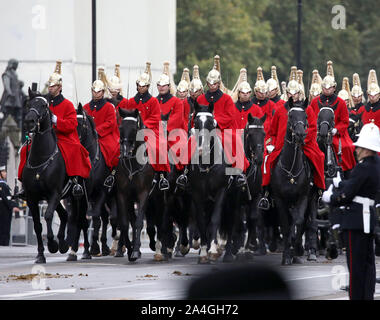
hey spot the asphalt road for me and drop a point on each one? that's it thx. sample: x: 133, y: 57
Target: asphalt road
x: 116, y: 278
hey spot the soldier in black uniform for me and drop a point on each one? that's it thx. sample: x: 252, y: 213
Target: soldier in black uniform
x: 7, y: 206
x: 358, y: 221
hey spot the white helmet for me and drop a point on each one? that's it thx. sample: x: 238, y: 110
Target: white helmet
x: 369, y: 137
x: 98, y: 85
x: 163, y: 80
x: 293, y: 87
x: 272, y: 84
x: 114, y: 83
x: 143, y: 79
x: 343, y: 94
x: 213, y: 76
x: 244, y: 87
x: 55, y: 79
x: 183, y: 86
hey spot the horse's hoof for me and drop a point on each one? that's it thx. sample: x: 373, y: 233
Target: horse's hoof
x: 119, y: 254
x: 105, y: 251
x: 184, y: 249
x: 311, y: 257
x: 86, y: 255
x: 178, y: 254
x: 72, y: 257
x: 297, y: 260
x: 332, y: 252
x: 159, y: 257
x: 152, y: 245
x: 228, y: 258
x: 214, y: 256
x: 203, y: 260
x: 52, y: 246
x: 196, y: 244
x: 40, y: 259
x: 95, y: 249
x: 63, y: 246
x: 135, y: 255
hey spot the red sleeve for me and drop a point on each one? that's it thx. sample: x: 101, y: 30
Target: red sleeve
x: 256, y: 111
x: 315, y: 107
x: 312, y: 129
x: 108, y: 122
x: 186, y: 112
x: 153, y: 115
x: 68, y: 123
x: 226, y: 116
x: 273, y: 130
x: 123, y: 104
x: 176, y: 117
x: 342, y: 118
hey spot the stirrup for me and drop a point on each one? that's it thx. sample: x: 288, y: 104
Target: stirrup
x: 163, y: 184
x: 241, y: 180
x: 182, y: 181
x: 77, y: 191
x: 264, y: 203
x: 109, y: 182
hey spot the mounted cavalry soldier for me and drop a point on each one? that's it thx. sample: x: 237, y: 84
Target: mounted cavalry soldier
x: 274, y: 91
x: 244, y: 104
x: 260, y: 98
x: 104, y: 116
x: 358, y: 221
x: 64, y: 119
x: 115, y: 85
x: 371, y: 111
x: 195, y: 88
x: 150, y: 113
x: 183, y: 95
x: 276, y: 136
x: 224, y: 114
x: 342, y: 143
x: 357, y: 94
x: 316, y: 85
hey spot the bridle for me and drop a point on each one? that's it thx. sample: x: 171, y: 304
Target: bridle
x: 293, y: 126
x: 41, y: 117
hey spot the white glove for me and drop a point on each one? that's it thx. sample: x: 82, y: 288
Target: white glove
x: 54, y: 119
x: 326, y: 196
x: 337, y: 180
x: 270, y: 148
x: 334, y: 131
x: 215, y: 123
x: 192, y: 131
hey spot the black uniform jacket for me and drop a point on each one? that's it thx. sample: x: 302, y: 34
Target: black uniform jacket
x: 364, y: 181
x: 6, y: 204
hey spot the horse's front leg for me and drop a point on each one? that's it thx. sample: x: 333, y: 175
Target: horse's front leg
x: 214, y: 225
x: 299, y: 228
x: 105, y: 249
x: 33, y: 207
x: 285, y: 224
x: 63, y: 216
x: 49, y: 214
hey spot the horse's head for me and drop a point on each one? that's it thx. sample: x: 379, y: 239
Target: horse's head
x: 130, y: 124
x: 325, y: 122
x: 254, y: 138
x: 37, y: 118
x: 86, y: 125
x: 204, y: 124
x: 297, y: 120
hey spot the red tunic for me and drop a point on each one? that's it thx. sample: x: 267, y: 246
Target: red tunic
x: 149, y: 109
x: 104, y: 116
x: 224, y: 113
x: 186, y: 113
x: 176, y: 128
x: 371, y: 113
x: 341, y: 124
x: 76, y: 157
x: 243, y: 110
x: 310, y: 148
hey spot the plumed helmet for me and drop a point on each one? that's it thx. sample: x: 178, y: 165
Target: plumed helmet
x: 300, y: 82
x: 55, y: 79
x: 373, y: 86
x: 183, y: 86
x: 166, y: 78
x: 213, y: 76
x: 163, y: 80
x: 329, y: 80
x: 293, y: 85
x: 274, y: 76
x: 114, y: 83
x: 356, y: 90
x: 283, y: 95
x: 345, y: 93
x: 98, y: 85
x: 241, y: 85
x: 196, y: 83
x: 260, y: 85
x: 369, y: 137
x: 316, y: 81
x: 145, y: 78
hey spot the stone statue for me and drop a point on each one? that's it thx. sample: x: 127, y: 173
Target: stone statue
x: 11, y: 100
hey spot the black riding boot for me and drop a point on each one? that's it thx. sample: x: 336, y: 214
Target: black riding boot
x: 163, y: 183
x: 182, y: 179
x: 77, y: 188
x: 264, y: 203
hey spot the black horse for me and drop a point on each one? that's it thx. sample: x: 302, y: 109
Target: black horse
x: 291, y: 180
x: 329, y: 216
x: 134, y: 178
x: 208, y: 181
x: 98, y: 194
x: 44, y: 176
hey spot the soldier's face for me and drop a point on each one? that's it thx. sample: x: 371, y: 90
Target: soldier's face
x: 163, y: 89
x: 328, y: 92
x: 114, y: 93
x: 3, y: 175
x: 55, y: 90
x: 244, y: 96
x: 357, y: 99
x: 272, y: 93
x: 260, y: 95
x: 213, y: 87
x: 196, y: 94
x: 97, y: 95
x: 295, y: 96
x: 373, y: 99
x: 142, y: 89
x: 182, y: 94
